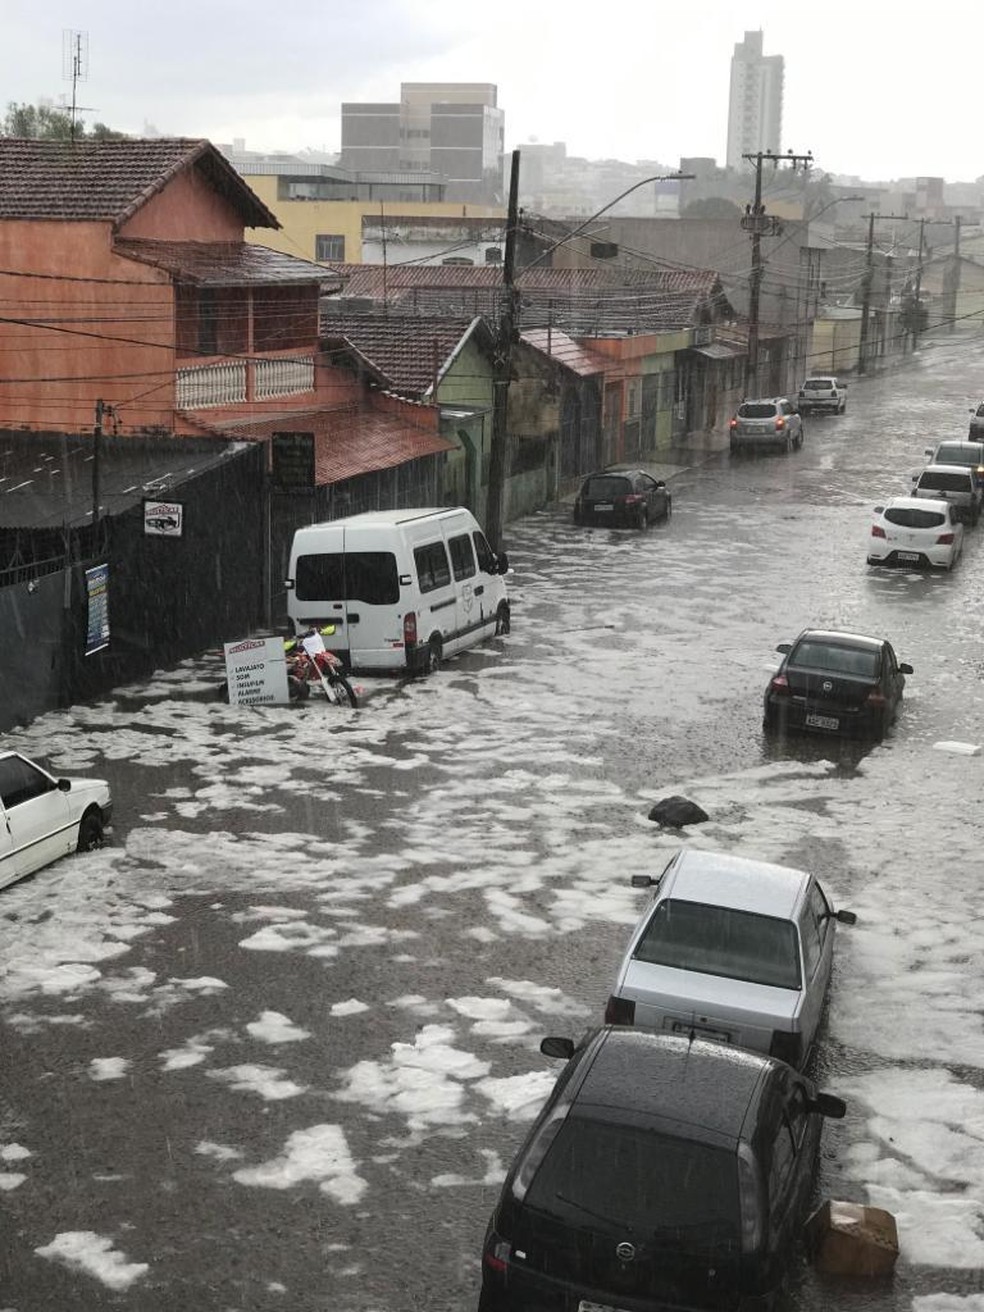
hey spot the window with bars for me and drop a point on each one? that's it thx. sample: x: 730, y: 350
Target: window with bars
x: 329, y: 247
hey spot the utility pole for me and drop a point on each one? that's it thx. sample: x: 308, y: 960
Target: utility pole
x: 953, y: 279
x: 102, y: 410
x: 502, y: 367
x: 917, y: 314
x: 866, y: 286
x: 756, y: 221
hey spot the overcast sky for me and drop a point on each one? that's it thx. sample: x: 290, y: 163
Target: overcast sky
x: 878, y: 90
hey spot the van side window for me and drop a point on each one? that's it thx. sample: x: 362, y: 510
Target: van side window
x: 486, y: 559
x: 433, y: 570
x: 368, y: 576
x: 462, y: 556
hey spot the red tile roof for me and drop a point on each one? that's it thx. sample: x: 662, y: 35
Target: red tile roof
x: 109, y: 181
x: 409, y: 356
x: 221, y: 263
x: 348, y: 441
x: 580, y: 359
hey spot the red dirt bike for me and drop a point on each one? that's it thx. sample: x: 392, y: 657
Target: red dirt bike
x: 309, y: 662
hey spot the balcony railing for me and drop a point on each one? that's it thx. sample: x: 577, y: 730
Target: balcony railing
x: 282, y: 377
x: 211, y: 385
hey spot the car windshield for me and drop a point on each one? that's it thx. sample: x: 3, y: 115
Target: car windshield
x: 813, y: 654
x: 958, y: 455
x: 630, y: 1178
x: 818, y: 384
x: 908, y: 517
x: 757, y: 410
x: 722, y: 941
x: 606, y: 487
x: 945, y: 482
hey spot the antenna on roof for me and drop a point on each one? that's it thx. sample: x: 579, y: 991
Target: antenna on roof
x: 75, y: 66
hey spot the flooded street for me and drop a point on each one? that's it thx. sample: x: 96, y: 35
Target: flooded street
x: 276, y: 1045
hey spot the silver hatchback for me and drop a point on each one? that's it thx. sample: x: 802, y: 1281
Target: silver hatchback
x: 770, y: 421
x: 733, y: 950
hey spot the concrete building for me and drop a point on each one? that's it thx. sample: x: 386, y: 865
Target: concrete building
x: 453, y: 129
x: 755, y: 105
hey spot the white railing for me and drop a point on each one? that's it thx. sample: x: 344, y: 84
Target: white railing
x: 283, y: 377
x: 212, y: 385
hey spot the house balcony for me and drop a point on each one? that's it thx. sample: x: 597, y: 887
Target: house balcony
x: 218, y: 383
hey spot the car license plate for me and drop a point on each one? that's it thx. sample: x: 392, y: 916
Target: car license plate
x: 604, y: 505
x: 908, y: 555
x: 701, y: 1031
x: 586, y: 1305
x: 822, y: 722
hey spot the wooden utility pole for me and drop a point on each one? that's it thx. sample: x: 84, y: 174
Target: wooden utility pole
x: 102, y: 409
x: 866, y: 286
x: 502, y: 368
x: 952, y: 280
x: 756, y: 221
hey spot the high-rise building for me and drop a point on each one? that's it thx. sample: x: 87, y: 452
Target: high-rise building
x: 755, y: 107
x: 454, y: 129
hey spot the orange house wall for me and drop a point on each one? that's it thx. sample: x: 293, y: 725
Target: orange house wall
x: 188, y: 209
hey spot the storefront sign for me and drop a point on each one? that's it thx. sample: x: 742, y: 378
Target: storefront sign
x: 97, y: 595
x: 163, y: 519
x: 256, y: 671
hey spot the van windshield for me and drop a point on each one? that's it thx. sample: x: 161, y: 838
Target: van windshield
x: 368, y: 576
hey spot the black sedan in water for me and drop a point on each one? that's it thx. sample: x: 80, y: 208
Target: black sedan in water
x: 624, y: 497
x: 832, y: 682
x: 664, y: 1171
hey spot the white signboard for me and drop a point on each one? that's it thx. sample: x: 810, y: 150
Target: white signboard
x: 163, y: 519
x: 256, y: 671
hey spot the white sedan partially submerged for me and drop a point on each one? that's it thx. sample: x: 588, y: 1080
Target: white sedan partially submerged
x: 915, y: 532
x: 730, y: 949
x: 43, y: 817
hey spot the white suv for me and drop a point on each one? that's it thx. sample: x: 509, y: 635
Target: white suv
x: 770, y: 421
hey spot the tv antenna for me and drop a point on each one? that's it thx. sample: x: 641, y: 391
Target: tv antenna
x: 75, y: 67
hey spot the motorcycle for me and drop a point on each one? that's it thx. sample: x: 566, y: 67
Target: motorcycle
x: 310, y: 662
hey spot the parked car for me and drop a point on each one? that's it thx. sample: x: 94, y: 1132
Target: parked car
x: 976, y: 430
x: 834, y: 682
x: 824, y: 394
x: 954, y: 483
x: 911, y: 531
x: 43, y: 817
x: 771, y: 421
x: 730, y: 949
x: 622, y: 496
x: 661, y: 1173
x: 970, y: 454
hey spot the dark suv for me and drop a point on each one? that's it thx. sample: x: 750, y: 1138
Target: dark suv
x: 663, y: 1171
x: 622, y: 496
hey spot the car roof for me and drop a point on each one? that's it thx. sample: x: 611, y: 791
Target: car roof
x: 934, y: 468
x: 838, y: 638
x: 671, y: 1081
x: 737, y: 882
x: 606, y: 473
x: 763, y: 400
x: 915, y: 503
x: 957, y: 442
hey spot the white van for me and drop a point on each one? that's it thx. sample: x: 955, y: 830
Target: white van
x: 403, y: 588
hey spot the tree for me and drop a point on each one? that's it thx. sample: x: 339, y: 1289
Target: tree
x: 711, y: 207
x: 50, y: 123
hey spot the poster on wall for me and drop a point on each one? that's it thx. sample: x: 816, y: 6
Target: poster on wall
x: 163, y: 519
x: 97, y: 594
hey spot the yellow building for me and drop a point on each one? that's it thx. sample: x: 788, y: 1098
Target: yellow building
x: 329, y: 231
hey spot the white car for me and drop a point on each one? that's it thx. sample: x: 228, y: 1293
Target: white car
x: 915, y: 531
x: 733, y: 950
x: 43, y: 817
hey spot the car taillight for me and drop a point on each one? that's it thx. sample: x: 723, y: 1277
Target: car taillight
x: 749, y: 1200
x: 945, y: 540
x: 410, y: 628
x: 780, y: 685
x: 619, y: 1011
x: 877, y: 531
x: 787, y: 1047
x: 876, y: 697
x: 780, y: 424
x: 497, y: 1253
x: 733, y: 424
x: 632, y: 499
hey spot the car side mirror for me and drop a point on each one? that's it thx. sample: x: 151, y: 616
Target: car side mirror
x: 927, y: 451
x: 64, y: 785
x: 879, y: 510
x: 661, y: 482
x: 556, y: 1046
x: 289, y: 584
x: 846, y: 917
x: 502, y: 563
x: 905, y: 669
x: 785, y: 648
x: 642, y: 881
x: 828, y: 1104
x: 914, y: 477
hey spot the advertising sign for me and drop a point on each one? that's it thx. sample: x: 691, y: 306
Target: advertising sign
x: 292, y: 462
x: 256, y: 671
x: 163, y: 519
x: 97, y: 595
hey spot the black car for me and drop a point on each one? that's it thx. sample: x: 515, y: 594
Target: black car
x: 622, y: 496
x: 833, y: 682
x: 663, y: 1172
